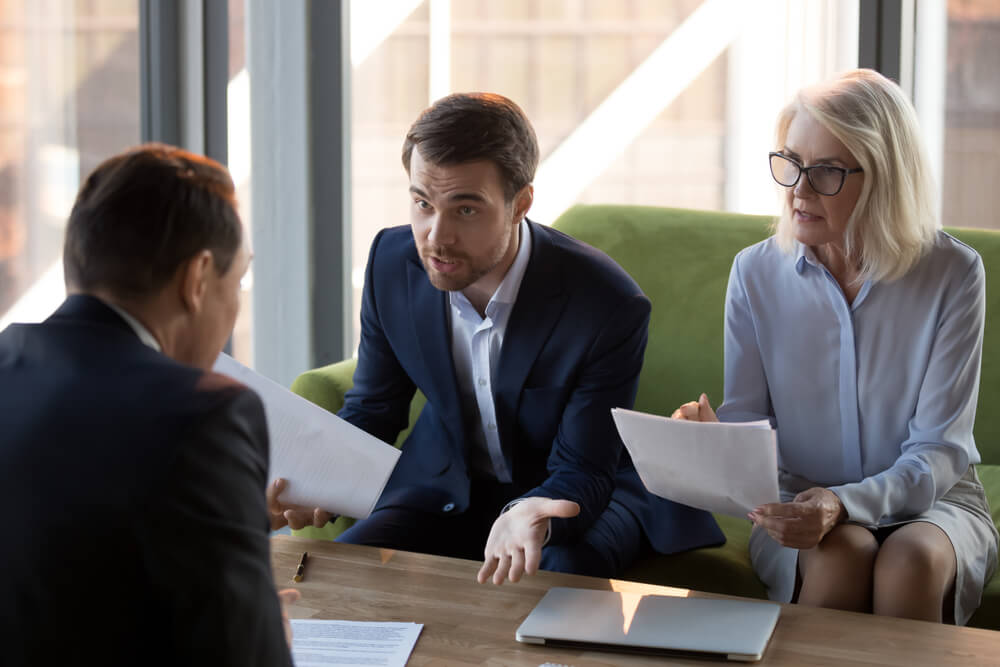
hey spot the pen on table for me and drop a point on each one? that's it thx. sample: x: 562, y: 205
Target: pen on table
x: 300, y: 571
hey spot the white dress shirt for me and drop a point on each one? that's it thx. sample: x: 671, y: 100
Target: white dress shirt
x: 475, y: 348
x: 142, y: 332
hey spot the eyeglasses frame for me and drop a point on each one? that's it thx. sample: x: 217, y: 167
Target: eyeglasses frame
x: 844, y: 173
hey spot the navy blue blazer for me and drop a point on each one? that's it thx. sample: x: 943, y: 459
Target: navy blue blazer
x: 572, y: 350
x: 137, y: 530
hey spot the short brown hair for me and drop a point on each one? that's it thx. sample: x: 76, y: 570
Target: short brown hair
x: 465, y: 127
x: 141, y: 214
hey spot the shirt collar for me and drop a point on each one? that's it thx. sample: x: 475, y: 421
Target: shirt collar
x: 804, y: 255
x: 511, y: 283
x: 142, y: 332
x: 508, y: 288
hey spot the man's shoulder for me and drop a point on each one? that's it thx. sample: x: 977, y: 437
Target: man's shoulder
x: 179, y: 410
x: 582, y: 264
x: 110, y: 372
x: 182, y: 410
x: 193, y: 396
x: 394, y: 244
x: 222, y: 395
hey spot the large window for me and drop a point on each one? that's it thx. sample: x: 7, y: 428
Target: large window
x: 958, y: 97
x: 238, y: 128
x: 69, y: 97
x: 650, y: 102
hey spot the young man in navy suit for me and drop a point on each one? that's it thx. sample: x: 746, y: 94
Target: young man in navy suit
x: 522, y: 339
x: 136, y: 530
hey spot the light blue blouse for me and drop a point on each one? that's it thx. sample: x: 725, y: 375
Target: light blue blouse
x: 876, y: 399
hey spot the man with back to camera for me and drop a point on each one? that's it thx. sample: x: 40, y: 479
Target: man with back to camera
x: 137, y: 531
x: 522, y: 339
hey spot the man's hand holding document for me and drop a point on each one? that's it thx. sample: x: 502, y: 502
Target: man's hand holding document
x: 728, y: 468
x: 327, y: 463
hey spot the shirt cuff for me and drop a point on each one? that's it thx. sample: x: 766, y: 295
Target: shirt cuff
x: 548, y: 526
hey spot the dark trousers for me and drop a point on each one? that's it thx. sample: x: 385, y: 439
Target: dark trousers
x: 609, y: 546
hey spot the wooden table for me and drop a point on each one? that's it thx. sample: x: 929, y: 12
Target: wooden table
x: 466, y: 623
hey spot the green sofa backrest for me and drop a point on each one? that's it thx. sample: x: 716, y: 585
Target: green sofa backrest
x: 681, y: 259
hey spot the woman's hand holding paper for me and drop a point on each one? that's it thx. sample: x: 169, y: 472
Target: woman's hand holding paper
x: 802, y: 523
x: 696, y: 411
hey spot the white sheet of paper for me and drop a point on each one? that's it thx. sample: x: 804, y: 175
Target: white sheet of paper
x: 328, y: 462
x: 727, y: 468
x: 318, y: 643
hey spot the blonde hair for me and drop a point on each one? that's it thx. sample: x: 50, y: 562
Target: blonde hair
x: 894, y: 221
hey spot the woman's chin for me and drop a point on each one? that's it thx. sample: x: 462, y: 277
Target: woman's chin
x: 812, y: 235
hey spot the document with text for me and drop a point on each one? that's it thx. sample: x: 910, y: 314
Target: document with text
x: 328, y: 462
x: 319, y: 643
x: 729, y: 468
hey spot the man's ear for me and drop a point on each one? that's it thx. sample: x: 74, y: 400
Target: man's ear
x: 194, y: 275
x: 522, y: 201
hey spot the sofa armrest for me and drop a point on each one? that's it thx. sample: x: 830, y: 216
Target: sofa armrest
x: 326, y: 386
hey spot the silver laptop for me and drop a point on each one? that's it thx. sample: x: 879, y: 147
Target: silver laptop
x: 656, y: 624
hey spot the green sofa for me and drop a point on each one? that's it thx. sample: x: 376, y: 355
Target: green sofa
x: 681, y: 259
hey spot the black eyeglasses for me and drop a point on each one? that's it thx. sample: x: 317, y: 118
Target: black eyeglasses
x: 824, y: 179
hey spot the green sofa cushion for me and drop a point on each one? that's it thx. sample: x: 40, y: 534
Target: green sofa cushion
x: 988, y: 614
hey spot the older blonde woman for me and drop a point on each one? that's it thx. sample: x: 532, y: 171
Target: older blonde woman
x: 857, y: 330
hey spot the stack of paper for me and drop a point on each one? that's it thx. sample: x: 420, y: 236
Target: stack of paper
x: 328, y: 462
x: 320, y: 643
x: 720, y: 467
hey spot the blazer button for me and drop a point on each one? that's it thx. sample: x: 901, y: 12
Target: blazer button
x: 448, y: 507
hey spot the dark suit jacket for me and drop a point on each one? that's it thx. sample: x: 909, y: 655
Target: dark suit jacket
x: 572, y: 350
x: 136, y: 529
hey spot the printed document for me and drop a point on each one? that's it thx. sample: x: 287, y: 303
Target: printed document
x: 729, y: 468
x: 328, y: 462
x: 319, y: 643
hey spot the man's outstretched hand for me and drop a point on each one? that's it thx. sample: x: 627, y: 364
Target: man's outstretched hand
x: 514, y: 547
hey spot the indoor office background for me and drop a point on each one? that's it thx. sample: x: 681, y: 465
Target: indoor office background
x: 653, y: 102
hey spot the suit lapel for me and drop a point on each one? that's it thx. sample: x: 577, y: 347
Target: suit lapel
x: 429, y: 317
x: 540, y: 303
